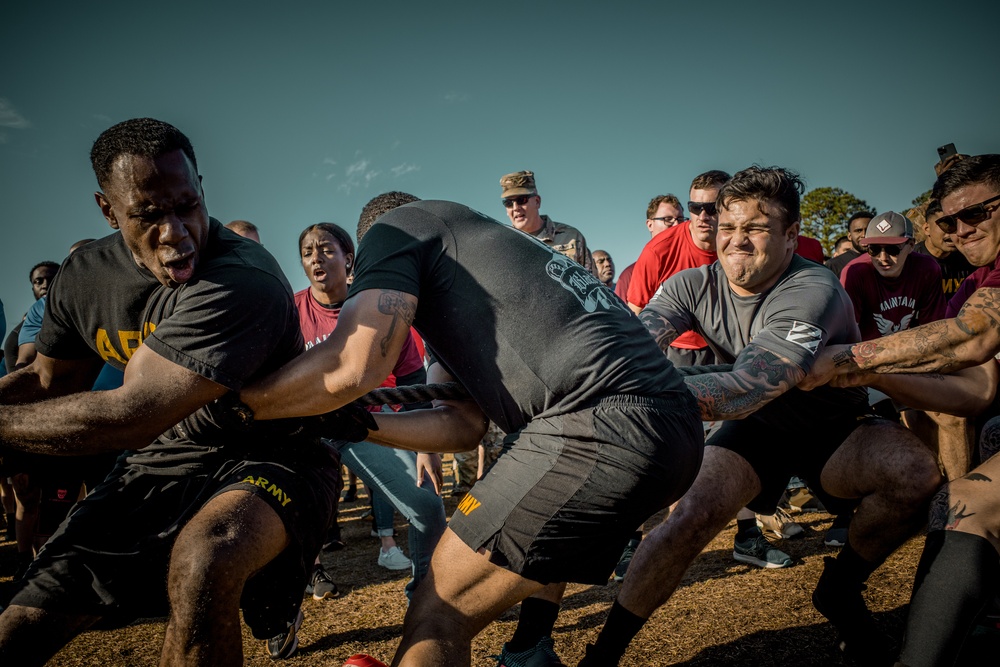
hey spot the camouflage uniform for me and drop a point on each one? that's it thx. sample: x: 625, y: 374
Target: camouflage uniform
x: 567, y: 240
x: 467, y: 463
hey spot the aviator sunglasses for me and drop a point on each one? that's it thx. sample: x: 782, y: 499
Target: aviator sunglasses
x: 696, y: 207
x: 893, y: 250
x: 520, y: 200
x: 970, y: 215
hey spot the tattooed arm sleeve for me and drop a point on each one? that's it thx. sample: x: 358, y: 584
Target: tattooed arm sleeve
x: 659, y: 327
x: 969, y: 339
x: 758, y: 377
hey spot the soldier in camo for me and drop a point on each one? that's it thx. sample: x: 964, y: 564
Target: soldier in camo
x: 521, y: 199
x: 471, y: 465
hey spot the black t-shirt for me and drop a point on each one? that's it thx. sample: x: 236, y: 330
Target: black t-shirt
x: 954, y: 268
x: 529, y: 332
x: 233, y: 322
x: 837, y: 264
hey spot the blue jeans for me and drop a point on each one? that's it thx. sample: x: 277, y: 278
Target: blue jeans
x: 393, y: 473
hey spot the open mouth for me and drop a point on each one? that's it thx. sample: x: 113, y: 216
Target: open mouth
x: 180, y: 270
x: 319, y: 275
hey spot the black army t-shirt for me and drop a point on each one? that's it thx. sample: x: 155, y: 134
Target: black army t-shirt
x: 806, y: 310
x: 233, y: 322
x: 529, y: 332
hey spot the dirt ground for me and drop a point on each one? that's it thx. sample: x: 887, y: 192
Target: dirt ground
x: 725, y: 613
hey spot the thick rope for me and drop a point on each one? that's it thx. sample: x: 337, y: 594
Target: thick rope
x: 420, y: 393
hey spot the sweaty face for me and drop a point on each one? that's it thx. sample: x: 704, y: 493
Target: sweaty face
x: 159, y: 207
x: 856, y: 232
x: 980, y: 243
x: 658, y: 223
x: 41, y: 278
x: 753, y: 249
x: 326, y: 265
x: 934, y: 236
x: 702, y: 225
x: 525, y: 216
x: 605, y: 267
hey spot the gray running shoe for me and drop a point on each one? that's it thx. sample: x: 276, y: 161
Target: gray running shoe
x: 542, y: 654
x: 284, y: 645
x: 322, y: 586
x: 760, y: 552
x: 623, y: 562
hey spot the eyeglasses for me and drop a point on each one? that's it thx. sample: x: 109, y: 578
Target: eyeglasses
x: 520, y: 200
x: 893, y: 250
x: 696, y: 207
x: 669, y: 220
x: 970, y: 215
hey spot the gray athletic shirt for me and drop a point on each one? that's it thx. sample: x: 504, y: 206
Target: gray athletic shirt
x: 803, y: 312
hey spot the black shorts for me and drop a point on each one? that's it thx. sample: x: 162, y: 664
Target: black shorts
x: 777, y: 455
x: 564, y: 498
x: 110, y: 557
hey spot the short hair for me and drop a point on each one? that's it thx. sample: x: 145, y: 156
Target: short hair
x: 933, y: 208
x: 79, y: 244
x: 776, y: 185
x: 338, y: 233
x: 604, y: 251
x: 970, y: 171
x: 655, y: 202
x: 859, y: 214
x: 143, y: 137
x: 242, y: 227
x: 714, y: 178
x: 379, y: 206
x: 840, y: 239
x: 43, y: 265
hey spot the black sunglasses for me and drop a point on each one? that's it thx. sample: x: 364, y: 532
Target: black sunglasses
x: 696, y: 207
x: 970, y: 215
x: 520, y: 200
x: 670, y: 220
x: 893, y: 250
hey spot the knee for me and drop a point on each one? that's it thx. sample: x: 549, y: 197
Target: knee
x: 426, y: 513
x: 916, y: 473
x: 200, y: 556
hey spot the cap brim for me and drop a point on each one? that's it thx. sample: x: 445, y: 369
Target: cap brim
x: 517, y: 192
x: 883, y: 240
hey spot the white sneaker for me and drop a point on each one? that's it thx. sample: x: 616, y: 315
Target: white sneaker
x: 394, y: 559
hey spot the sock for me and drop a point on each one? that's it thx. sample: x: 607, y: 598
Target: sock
x: 957, y: 576
x: 747, y: 528
x: 537, y: 619
x: 618, y: 631
x: 853, y: 567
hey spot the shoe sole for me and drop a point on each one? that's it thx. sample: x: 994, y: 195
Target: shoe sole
x: 288, y: 650
x: 834, y: 543
x: 396, y: 568
x: 767, y: 565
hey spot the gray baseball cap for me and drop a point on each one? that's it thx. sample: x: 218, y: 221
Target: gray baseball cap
x: 887, y: 228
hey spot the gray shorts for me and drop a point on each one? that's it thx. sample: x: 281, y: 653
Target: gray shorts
x: 569, y: 491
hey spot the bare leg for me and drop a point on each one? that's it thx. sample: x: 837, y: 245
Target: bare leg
x: 462, y: 594
x: 30, y: 636
x: 895, y: 476
x: 233, y: 536
x: 725, y: 483
x: 28, y: 496
x: 949, y: 437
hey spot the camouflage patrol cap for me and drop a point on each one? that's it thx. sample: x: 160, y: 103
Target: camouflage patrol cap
x: 518, y: 183
x: 887, y: 228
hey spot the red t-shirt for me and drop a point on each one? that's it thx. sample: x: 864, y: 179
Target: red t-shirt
x: 883, y: 306
x: 810, y: 249
x: 667, y: 253
x: 624, y: 280
x: 317, y: 322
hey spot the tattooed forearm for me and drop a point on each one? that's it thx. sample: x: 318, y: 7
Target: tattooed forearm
x: 945, y: 514
x: 662, y: 331
x: 395, y: 304
x: 758, y: 377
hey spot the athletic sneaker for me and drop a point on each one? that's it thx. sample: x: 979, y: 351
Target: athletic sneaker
x: 836, y: 535
x: 626, y: 558
x: 322, y: 586
x: 840, y: 601
x: 362, y: 660
x: 542, y: 654
x: 284, y: 645
x: 394, y: 559
x: 759, y: 551
x: 780, y: 525
x: 802, y: 500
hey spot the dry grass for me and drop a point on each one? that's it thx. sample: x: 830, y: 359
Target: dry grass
x: 724, y: 613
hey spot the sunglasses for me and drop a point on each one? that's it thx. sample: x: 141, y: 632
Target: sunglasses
x: 970, y: 215
x: 669, y: 220
x: 520, y: 200
x: 696, y: 207
x: 893, y: 250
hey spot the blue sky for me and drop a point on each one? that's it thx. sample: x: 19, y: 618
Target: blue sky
x: 301, y: 114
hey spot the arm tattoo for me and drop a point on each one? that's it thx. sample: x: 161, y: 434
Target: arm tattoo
x: 662, y: 331
x: 844, y: 358
x: 394, y: 303
x: 758, y: 377
x: 978, y: 477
